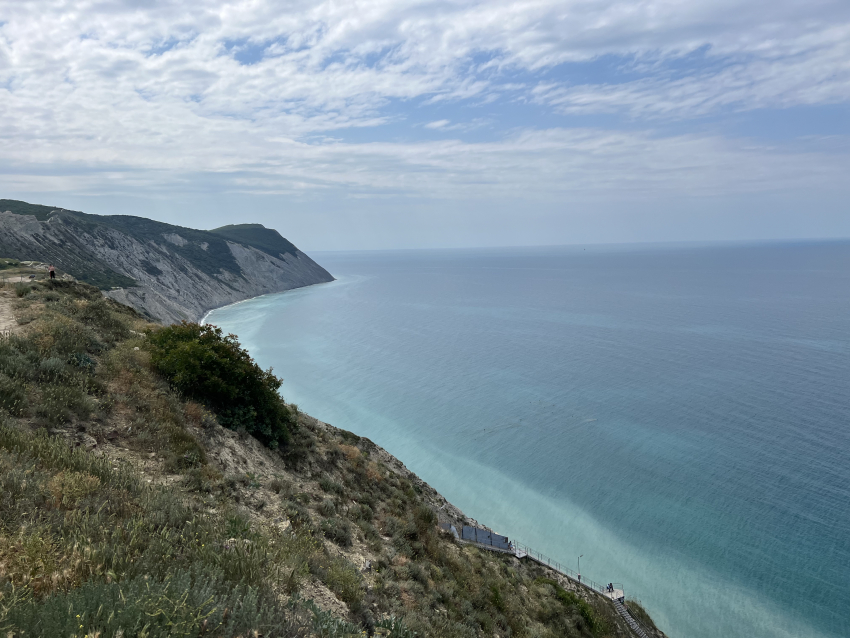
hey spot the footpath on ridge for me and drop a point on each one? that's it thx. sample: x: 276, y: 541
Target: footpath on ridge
x: 486, y: 539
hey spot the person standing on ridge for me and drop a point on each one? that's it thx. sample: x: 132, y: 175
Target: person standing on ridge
x: 52, y: 271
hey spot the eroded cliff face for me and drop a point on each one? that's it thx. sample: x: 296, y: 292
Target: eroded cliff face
x: 171, y: 283
x: 181, y: 291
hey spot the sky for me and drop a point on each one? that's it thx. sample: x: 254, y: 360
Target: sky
x: 384, y: 124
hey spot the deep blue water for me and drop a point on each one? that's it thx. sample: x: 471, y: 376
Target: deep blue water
x: 678, y: 415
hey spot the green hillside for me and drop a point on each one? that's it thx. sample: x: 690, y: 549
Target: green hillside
x: 68, y: 248
x: 258, y: 236
x: 41, y: 213
x: 215, y: 257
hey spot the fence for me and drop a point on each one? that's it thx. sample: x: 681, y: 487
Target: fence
x: 566, y: 571
x: 484, y: 537
x: 488, y: 540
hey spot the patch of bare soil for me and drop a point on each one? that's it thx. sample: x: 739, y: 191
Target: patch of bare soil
x: 8, y: 324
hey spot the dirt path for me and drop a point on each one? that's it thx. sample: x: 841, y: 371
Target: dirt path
x: 8, y: 324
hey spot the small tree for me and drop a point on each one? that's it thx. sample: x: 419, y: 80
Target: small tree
x: 213, y: 369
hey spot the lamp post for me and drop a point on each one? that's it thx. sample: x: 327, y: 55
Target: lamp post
x: 579, y: 568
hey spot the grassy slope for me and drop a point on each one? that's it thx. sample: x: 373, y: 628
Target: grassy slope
x: 266, y: 239
x: 160, y: 517
x: 41, y: 213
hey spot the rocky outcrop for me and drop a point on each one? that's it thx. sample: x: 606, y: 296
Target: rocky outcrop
x: 166, y: 272
x: 183, y: 292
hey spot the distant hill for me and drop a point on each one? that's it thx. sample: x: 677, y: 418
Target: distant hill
x: 168, y: 272
x: 266, y: 239
x: 41, y: 213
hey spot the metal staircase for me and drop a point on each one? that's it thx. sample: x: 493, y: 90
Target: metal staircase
x: 621, y: 609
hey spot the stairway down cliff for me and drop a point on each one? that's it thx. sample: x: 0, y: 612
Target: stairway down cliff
x: 166, y: 272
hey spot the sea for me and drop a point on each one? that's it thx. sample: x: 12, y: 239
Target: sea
x: 675, y: 418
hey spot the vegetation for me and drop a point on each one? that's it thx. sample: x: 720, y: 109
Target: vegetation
x: 80, y: 536
x: 41, y: 213
x: 127, y: 510
x: 266, y: 239
x: 8, y: 264
x: 79, y: 532
x: 636, y: 609
x: 211, y: 368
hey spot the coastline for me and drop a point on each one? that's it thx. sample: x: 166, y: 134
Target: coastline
x: 452, y: 511
x: 448, y: 512
x: 202, y: 321
x: 389, y: 362
x: 450, y: 515
x: 329, y: 529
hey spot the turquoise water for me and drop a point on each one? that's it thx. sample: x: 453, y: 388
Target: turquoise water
x: 678, y: 415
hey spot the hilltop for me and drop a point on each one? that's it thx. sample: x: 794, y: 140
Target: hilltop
x: 166, y: 272
x: 126, y: 508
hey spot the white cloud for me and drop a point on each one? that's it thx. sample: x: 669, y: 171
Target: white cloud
x: 102, y: 95
x: 817, y: 75
x: 329, y: 65
x: 542, y: 165
x: 447, y: 125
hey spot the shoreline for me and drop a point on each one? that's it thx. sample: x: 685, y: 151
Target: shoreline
x: 202, y: 321
x: 309, y: 336
x: 454, y: 514
x: 451, y: 517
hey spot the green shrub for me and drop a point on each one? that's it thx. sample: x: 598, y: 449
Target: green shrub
x: 337, y: 530
x: 360, y: 512
x: 201, y: 479
x: 19, y: 359
x: 297, y: 513
x: 326, y: 625
x: 280, y: 486
x: 56, y: 454
x: 394, y: 628
x: 343, y: 579
x: 330, y: 486
x: 82, y: 361
x: 213, y: 369
x: 13, y: 396
x: 424, y: 519
x: 569, y: 599
x: 327, y: 508
x: 22, y: 290
x: 369, y: 531
x: 184, y: 604
x: 106, y: 317
x: 59, y: 403
x: 417, y: 573
x: 51, y: 370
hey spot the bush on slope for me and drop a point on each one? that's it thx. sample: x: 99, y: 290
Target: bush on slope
x: 211, y: 368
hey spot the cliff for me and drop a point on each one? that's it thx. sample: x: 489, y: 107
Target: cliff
x: 166, y: 272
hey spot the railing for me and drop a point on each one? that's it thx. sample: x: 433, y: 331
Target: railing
x: 518, y: 549
x: 566, y: 571
x: 638, y: 621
